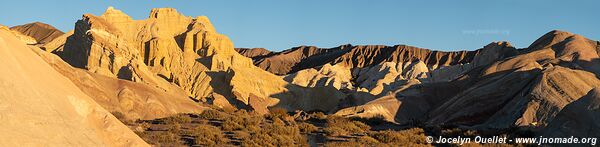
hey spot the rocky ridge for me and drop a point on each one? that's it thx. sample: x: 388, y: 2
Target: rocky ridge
x: 360, y: 56
x: 41, y: 32
x: 527, y: 89
x: 172, y: 51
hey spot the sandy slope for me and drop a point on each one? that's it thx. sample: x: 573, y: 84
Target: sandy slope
x: 40, y: 107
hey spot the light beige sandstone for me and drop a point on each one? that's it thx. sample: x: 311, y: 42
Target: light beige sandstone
x: 134, y: 100
x: 338, y: 76
x: 376, y: 79
x: 41, y: 107
x: 20, y: 36
x: 385, y: 77
x: 169, y: 48
x: 57, y: 44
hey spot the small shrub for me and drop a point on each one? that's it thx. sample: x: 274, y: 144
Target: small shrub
x: 174, y: 127
x: 179, y: 118
x: 335, y: 131
x: 231, y: 125
x: 409, y: 136
x: 253, y: 128
x: 362, y: 127
x: 207, y: 135
x: 374, y: 120
x: 459, y: 132
x: 307, y: 128
x: 159, y: 138
x: 336, y: 124
x: 283, y: 135
x: 367, y: 140
x: 278, y: 121
x: 277, y: 112
x: 251, y: 121
x: 358, y: 142
x: 259, y: 139
x: 212, y: 114
x: 344, y: 144
x: 241, y: 135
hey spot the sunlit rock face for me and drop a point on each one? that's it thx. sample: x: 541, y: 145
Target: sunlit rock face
x: 41, y: 107
x: 171, y: 51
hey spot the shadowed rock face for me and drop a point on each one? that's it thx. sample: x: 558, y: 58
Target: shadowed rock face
x: 579, y: 118
x: 529, y: 88
x: 379, y: 69
x: 289, y: 61
x: 41, y: 32
x: 254, y: 53
x: 303, y: 57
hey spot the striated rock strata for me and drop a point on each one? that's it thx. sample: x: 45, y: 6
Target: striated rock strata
x: 527, y: 89
x: 41, y: 32
x: 170, y: 51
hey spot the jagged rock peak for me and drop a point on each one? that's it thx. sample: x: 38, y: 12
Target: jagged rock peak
x: 164, y: 13
x: 112, y: 14
x: 205, y: 23
x: 499, y: 43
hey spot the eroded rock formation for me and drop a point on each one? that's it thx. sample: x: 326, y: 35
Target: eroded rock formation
x: 527, y: 89
x: 172, y: 51
x: 41, y: 107
x: 133, y: 100
x: 303, y: 57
